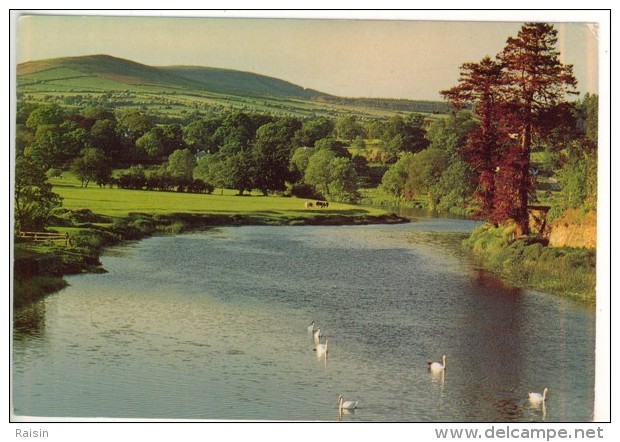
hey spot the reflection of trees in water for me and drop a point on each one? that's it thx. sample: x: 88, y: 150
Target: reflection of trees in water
x: 509, y: 409
x: 492, y: 328
x: 29, y: 320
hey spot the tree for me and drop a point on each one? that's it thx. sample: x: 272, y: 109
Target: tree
x: 272, y: 151
x: 337, y: 147
x: 55, y: 145
x: 181, y: 164
x: 343, y: 180
x: 455, y: 186
x: 318, y: 173
x: 149, y: 145
x: 404, y: 135
x: 103, y: 135
x: 199, y: 135
x: 535, y: 83
x: 394, y: 179
x: 211, y: 168
x: 299, y: 162
x: 313, y: 130
x: 171, y: 136
x: 134, y: 178
x: 578, y: 172
x: 480, y: 85
x: 235, y: 134
x: 240, y: 172
x: 424, y: 171
x: 33, y: 197
x: 92, y: 165
x: 451, y: 133
x: 347, y: 127
x: 44, y: 115
x: 132, y: 124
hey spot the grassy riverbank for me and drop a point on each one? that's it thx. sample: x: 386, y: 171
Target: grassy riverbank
x: 96, y: 218
x: 525, y: 263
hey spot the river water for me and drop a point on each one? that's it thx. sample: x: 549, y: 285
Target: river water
x: 213, y: 325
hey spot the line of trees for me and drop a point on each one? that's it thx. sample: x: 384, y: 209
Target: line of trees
x: 235, y: 150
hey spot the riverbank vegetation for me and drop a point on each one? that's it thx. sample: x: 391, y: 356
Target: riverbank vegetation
x: 513, y: 151
x: 526, y: 262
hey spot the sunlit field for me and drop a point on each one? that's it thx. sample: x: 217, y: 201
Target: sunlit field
x: 120, y: 202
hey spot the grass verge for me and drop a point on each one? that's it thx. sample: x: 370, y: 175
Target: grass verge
x: 565, y: 271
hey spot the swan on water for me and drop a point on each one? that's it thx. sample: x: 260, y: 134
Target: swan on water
x: 537, y: 397
x: 317, y: 335
x: 321, y: 349
x: 437, y: 366
x: 346, y: 405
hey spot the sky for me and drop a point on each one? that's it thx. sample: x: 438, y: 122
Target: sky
x: 345, y: 54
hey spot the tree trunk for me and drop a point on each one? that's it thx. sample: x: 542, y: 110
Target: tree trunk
x: 524, y: 179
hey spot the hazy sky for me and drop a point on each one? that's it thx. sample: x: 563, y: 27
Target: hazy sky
x: 395, y: 58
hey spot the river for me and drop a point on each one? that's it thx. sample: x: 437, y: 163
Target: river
x: 213, y: 325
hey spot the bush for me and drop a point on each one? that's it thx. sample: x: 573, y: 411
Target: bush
x: 305, y: 191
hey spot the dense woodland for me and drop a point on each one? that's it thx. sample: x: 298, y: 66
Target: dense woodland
x: 512, y: 140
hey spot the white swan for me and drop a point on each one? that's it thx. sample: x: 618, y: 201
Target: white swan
x: 437, y: 366
x: 346, y: 405
x: 321, y: 349
x: 537, y: 398
x: 317, y: 335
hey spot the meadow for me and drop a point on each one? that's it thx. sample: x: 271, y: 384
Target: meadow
x: 120, y: 203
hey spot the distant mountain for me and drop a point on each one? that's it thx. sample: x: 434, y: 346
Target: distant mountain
x: 104, y: 72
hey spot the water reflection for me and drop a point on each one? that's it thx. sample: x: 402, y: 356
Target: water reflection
x: 492, y: 321
x: 508, y: 409
x: 438, y: 378
x: 540, y: 410
x: 29, y: 320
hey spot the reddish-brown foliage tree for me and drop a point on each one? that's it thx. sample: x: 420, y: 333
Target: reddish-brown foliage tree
x: 480, y: 86
x: 518, y: 98
x: 535, y: 82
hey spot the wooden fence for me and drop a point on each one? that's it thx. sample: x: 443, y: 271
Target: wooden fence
x: 45, y: 237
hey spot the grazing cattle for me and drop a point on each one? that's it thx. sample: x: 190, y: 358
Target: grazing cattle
x: 308, y: 205
x: 323, y: 204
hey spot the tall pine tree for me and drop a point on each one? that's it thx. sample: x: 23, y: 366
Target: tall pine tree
x: 535, y: 83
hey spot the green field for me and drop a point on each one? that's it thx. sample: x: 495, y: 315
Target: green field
x: 122, y: 202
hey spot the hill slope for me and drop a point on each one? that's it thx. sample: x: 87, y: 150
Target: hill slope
x: 227, y: 81
x: 222, y: 81
x: 97, y: 74
x: 104, y: 66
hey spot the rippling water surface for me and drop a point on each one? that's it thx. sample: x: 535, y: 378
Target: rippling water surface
x: 213, y: 325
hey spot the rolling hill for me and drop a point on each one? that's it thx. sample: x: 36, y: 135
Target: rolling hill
x: 193, y: 87
x: 98, y: 68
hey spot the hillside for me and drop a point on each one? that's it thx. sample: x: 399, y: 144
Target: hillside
x: 99, y: 66
x: 227, y: 81
x: 173, y: 89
